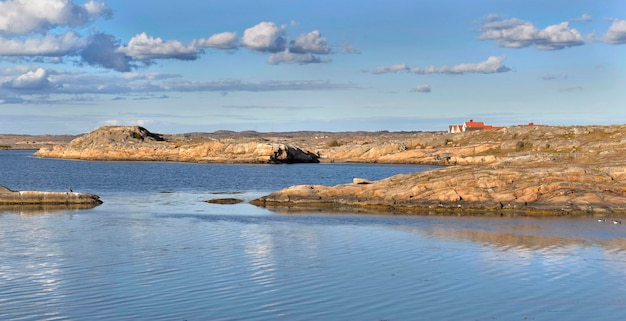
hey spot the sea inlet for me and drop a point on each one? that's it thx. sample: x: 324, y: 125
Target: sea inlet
x: 154, y: 250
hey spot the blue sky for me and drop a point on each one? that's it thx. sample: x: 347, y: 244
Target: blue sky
x: 189, y: 65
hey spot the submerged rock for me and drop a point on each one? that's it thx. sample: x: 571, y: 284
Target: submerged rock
x: 224, y: 201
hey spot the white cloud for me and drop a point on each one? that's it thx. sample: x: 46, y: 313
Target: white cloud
x: 80, y: 82
x: 288, y: 57
x: 554, y: 77
x: 558, y: 37
x: 392, y: 68
x: 516, y: 33
x: 105, y: 50
x: 265, y: 36
x: 584, y: 17
x: 224, y: 40
x: 110, y: 122
x: 617, y: 33
x: 49, y: 45
x: 20, y: 17
x: 144, y: 47
x: 97, y: 9
x: 32, y: 80
x: 117, y: 122
x: 349, y: 49
x: 313, y: 42
x: 423, y: 88
x: 490, y: 66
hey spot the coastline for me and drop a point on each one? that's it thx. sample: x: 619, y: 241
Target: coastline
x: 538, y: 170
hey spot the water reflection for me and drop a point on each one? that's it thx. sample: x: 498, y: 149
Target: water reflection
x: 506, y: 241
x: 541, y: 235
x: 31, y: 270
x: 40, y: 209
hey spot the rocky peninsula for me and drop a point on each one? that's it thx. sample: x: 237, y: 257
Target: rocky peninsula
x: 520, y: 169
x: 538, y: 170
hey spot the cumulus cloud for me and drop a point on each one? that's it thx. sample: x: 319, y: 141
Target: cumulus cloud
x: 423, y: 88
x: 313, y: 42
x: 98, y: 9
x: 19, y: 17
x: 26, y: 31
x: 288, y: 57
x: 224, y: 40
x: 144, y: 47
x: 32, y: 80
x: 49, y: 45
x: 517, y: 33
x: 392, y: 68
x: 490, y: 66
x: 265, y: 36
x: 103, y: 51
x: 616, y: 34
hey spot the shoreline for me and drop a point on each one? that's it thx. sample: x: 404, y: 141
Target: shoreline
x: 538, y: 170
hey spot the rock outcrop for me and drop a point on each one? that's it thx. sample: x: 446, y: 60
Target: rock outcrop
x: 134, y: 143
x: 540, y: 190
x: 9, y: 197
x: 538, y: 169
x: 530, y: 170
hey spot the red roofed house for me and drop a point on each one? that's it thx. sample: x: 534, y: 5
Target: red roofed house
x: 471, y: 125
x: 455, y: 129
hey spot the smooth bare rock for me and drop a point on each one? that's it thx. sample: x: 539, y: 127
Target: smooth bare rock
x: 134, y: 143
x: 575, y: 169
x: 552, y: 189
x: 9, y: 197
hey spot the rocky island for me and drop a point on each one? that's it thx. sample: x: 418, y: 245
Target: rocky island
x: 135, y: 143
x: 520, y: 169
x: 10, y: 197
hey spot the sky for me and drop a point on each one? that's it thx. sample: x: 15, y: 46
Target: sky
x: 69, y: 66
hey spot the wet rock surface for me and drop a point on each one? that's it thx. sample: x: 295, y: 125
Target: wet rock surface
x: 225, y: 201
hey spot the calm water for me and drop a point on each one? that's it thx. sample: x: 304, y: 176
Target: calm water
x: 155, y: 251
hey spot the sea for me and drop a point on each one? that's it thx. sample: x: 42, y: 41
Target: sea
x: 155, y: 250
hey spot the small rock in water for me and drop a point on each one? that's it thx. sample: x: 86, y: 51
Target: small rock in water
x: 224, y: 201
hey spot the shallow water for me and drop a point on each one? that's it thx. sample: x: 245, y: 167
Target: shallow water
x: 149, y: 255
